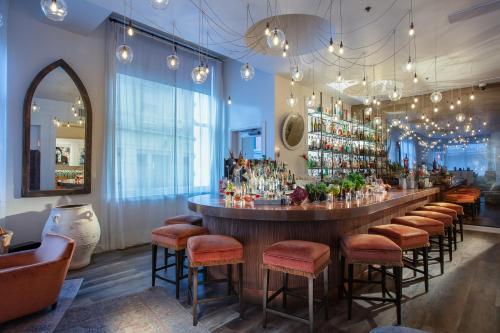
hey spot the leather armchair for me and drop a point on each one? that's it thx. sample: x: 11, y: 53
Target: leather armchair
x: 31, y: 280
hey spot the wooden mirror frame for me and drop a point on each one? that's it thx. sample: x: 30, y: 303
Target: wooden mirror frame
x: 283, y: 130
x: 26, y: 192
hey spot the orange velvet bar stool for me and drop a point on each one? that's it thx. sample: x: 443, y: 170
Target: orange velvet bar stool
x: 300, y: 258
x: 213, y: 250
x: 433, y: 227
x: 185, y: 219
x: 465, y: 200
x: 369, y: 249
x: 443, y: 218
x: 448, y: 211
x: 408, y: 239
x: 172, y: 237
x: 457, y: 208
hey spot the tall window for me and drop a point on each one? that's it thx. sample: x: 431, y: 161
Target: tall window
x: 474, y: 156
x: 162, y: 133
x: 408, y: 149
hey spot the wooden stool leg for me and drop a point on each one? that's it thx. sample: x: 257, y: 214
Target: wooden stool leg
x: 341, y: 277
x: 325, y: 289
x: 178, y: 272
x: 154, y: 253
x: 349, y: 290
x: 229, y: 279
x: 195, y: 295
x: 455, y: 225
x: 384, y: 287
x: 461, y: 221
x: 264, y: 302
x: 399, y: 291
x: 415, y: 261
x: 240, y: 288
x: 285, y: 288
x: 310, y: 295
x: 189, y: 288
x: 441, y: 253
x: 450, y: 243
x: 426, y: 269
x: 165, y: 259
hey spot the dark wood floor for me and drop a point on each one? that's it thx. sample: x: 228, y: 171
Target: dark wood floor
x: 489, y: 216
x: 465, y: 299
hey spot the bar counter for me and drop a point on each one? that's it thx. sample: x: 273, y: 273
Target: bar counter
x: 259, y: 226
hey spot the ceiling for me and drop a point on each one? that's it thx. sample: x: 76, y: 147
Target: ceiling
x: 467, y: 51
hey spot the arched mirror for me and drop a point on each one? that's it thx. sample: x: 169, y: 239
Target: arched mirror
x: 293, y: 131
x: 57, y: 128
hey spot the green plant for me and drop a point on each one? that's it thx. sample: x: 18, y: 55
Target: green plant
x: 357, y: 179
x: 347, y: 185
x: 334, y: 189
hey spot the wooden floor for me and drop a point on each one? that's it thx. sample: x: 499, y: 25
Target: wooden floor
x: 488, y: 216
x: 465, y: 299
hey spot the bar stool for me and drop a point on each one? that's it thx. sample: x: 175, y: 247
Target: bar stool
x: 213, y: 250
x: 457, y: 208
x: 408, y: 239
x: 371, y: 250
x: 433, y: 227
x: 443, y: 218
x: 300, y: 258
x: 443, y: 210
x: 185, y: 219
x: 172, y: 237
x: 464, y: 200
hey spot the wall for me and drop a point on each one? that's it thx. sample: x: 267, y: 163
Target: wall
x: 4, y: 5
x: 33, y: 45
x: 252, y: 102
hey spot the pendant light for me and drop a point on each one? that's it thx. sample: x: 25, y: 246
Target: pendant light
x: 311, y: 100
x: 55, y: 10
x: 267, y: 31
x: 276, y: 39
x: 297, y: 74
x: 247, y: 72
x: 199, y: 74
x: 130, y: 28
x: 411, y: 30
x: 331, y: 48
x: 159, y: 4
x: 436, y: 96
x: 471, y: 96
x: 460, y: 117
x: 124, y: 53
x: 291, y: 100
x: 35, y: 107
x: 229, y: 101
x: 173, y: 60
x: 341, y: 47
x: 396, y: 93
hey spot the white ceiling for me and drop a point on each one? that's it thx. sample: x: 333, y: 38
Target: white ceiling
x: 468, y: 51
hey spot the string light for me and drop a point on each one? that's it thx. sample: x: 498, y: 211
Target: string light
x: 415, y: 78
x: 286, y: 45
x: 229, y: 101
x: 331, y: 48
x: 267, y: 32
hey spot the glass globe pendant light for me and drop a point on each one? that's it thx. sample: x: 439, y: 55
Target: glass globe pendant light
x: 460, y: 117
x: 198, y: 74
x: 55, y: 10
x: 395, y: 95
x: 35, y: 107
x: 377, y: 120
x: 297, y: 74
x: 311, y: 101
x: 159, y: 4
x: 124, y: 54
x: 367, y: 100
x: 291, y: 101
x: 247, y: 72
x: 173, y: 61
x: 276, y: 39
x: 436, y: 97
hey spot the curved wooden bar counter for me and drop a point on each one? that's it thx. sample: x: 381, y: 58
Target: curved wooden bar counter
x: 259, y: 226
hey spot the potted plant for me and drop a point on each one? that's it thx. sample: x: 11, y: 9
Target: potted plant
x: 347, y: 187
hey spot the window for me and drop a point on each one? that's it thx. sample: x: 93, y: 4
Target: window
x: 473, y: 156
x: 162, y: 139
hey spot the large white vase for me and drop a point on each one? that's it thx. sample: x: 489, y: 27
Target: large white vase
x: 79, y: 223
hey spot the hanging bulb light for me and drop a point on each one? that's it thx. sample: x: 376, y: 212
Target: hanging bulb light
x: 267, y: 32
x: 339, y: 77
x: 297, y: 74
x: 292, y: 82
x: 331, y: 48
x: 124, y: 54
x: 409, y: 65
x: 247, y: 72
x: 460, y: 117
x: 364, y: 80
x: 80, y: 121
x: 411, y: 32
x: 55, y: 10
x: 341, y: 48
x: 276, y: 40
x: 207, y: 69
x: 173, y: 61
x: 286, y: 45
x: 159, y: 4
x: 368, y: 111
x: 311, y: 101
x: 471, y: 97
x: 229, y: 101
x: 415, y: 78
x: 375, y: 101
x: 130, y: 30
x: 35, y: 107
x: 367, y: 100
x: 291, y: 101
x: 436, y: 109
x: 284, y: 53
x: 198, y: 74
x: 413, y: 105
x: 452, y: 106
x: 436, y: 97
x: 484, y: 123
x: 415, y: 100
x: 395, y: 95
x: 459, y: 101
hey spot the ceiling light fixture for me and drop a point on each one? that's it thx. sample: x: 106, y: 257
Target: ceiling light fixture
x: 247, y: 72
x: 55, y: 10
x: 297, y: 74
x: 341, y: 48
x: 276, y: 40
x: 159, y: 4
x: 173, y: 60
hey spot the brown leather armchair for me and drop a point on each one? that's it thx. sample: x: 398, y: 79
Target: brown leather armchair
x: 31, y: 280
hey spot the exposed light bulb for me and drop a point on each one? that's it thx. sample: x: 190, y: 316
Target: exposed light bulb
x: 247, y: 72
x: 412, y: 105
x: 341, y: 49
x: 80, y: 121
x: 415, y: 78
x: 409, y: 65
x: 130, y: 30
x: 286, y: 45
x: 436, y: 109
x: 292, y: 82
x: 124, y: 54
x: 364, y: 80
x: 459, y: 101
x: 452, y: 106
x: 484, y: 123
x: 173, y: 61
x: 411, y: 32
x: 229, y: 102
x: 471, y: 97
x: 55, y: 10
x: 415, y: 100
x: 267, y: 32
x: 276, y: 39
x: 339, y: 77
x: 297, y: 74
x: 331, y: 48
x: 284, y: 53
x: 291, y: 100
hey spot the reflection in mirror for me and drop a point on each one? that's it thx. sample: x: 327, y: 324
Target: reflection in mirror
x: 57, y: 134
x: 293, y: 131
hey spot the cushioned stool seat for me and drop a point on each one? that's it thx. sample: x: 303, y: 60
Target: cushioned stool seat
x: 184, y: 219
x: 443, y: 210
x: 460, y: 198
x: 297, y: 256
x: 371, y: 250
x: 443, y: 218
x: 176, y: 236
x: 431, y: 226
x: 405, y: 237
x: 457, y: 208
x: 208, y: 250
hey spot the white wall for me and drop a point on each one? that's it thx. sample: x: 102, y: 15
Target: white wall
x: 32, y: 45
x: 252, y: 102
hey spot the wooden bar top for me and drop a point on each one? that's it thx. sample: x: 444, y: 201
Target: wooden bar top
x: 214, y: 205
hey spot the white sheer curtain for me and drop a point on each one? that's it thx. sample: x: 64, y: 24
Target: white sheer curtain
x: 3, y: 106
x: 164, y: 138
